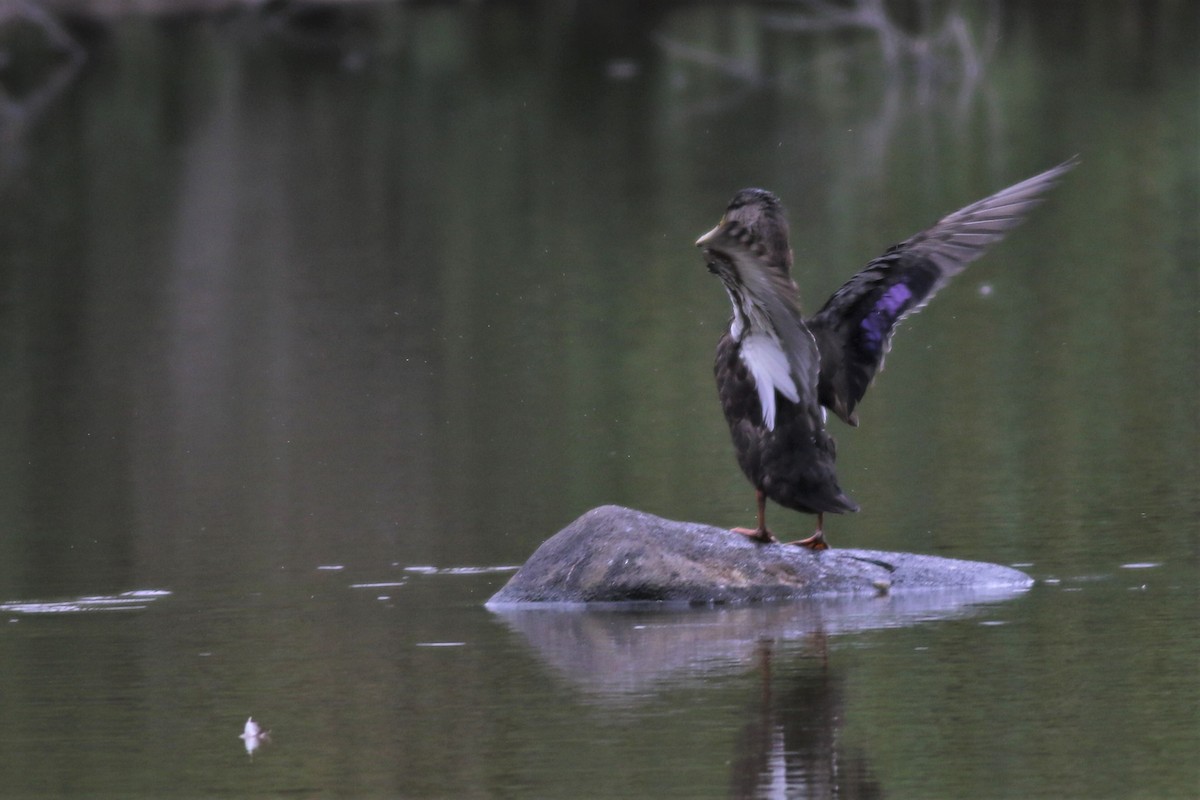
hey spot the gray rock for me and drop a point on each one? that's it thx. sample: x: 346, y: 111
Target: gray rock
x: 618, y: 555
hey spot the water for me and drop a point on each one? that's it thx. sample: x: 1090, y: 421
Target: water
x: 306, y: 341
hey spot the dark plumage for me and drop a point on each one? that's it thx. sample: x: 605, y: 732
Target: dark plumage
x: 775, y: 370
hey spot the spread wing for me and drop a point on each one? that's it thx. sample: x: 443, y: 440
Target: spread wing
x: 854, y: 329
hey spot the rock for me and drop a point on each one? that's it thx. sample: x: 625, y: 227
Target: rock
x: 618, y: 555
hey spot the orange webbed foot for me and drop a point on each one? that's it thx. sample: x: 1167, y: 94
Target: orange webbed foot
x: 814, y: 542
x: 757, y: 534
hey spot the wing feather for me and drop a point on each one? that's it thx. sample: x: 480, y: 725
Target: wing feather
x: 854, y: 328
x: 777, y: 328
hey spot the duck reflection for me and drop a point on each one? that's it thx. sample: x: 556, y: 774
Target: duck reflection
x: 792, y: 745
x: 791, y: 742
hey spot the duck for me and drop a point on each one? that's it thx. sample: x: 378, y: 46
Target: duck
x: 779, y: 373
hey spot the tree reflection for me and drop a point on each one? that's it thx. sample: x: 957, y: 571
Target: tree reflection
x: 52, y: 45
x: 932, y: 59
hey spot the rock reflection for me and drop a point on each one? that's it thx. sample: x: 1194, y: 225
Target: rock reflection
x: 616, y: 653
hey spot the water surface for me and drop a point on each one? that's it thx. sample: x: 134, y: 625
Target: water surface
x: 307, y: 336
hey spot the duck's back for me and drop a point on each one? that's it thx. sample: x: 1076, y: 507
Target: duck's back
x: 794, y: 463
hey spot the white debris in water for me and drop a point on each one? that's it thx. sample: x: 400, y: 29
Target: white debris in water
x: 253, y: 735
x: 1141, y: 565
x: 380, y: 585
x: 331, y: 567
x: 441, y: 644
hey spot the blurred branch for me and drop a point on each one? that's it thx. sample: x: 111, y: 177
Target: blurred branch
x: 16, y: 11
x: 895, y: 42
x: 916, y: 67
x: 18, y: 114
x: 740, y: 68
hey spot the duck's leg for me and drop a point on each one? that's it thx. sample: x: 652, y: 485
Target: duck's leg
x: 817, y: 540
x: 759, y: 534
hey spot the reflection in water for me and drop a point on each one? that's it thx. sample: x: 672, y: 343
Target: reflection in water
x: 125, y: 601
x: 935, y: 63
x: 616, y: 653
x: 19, y: 112
x: 792, y: 744
x: 423, y: 570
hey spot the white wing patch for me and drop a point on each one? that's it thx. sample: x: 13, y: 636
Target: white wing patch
x: 766, y: 361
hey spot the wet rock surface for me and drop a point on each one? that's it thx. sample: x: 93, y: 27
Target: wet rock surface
x: 619, y: 555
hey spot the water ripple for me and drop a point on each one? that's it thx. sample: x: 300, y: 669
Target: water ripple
x: 460, y: 570
x: 125, y: 601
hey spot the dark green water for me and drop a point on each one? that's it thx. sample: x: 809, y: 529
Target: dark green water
x: 286, y: 318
